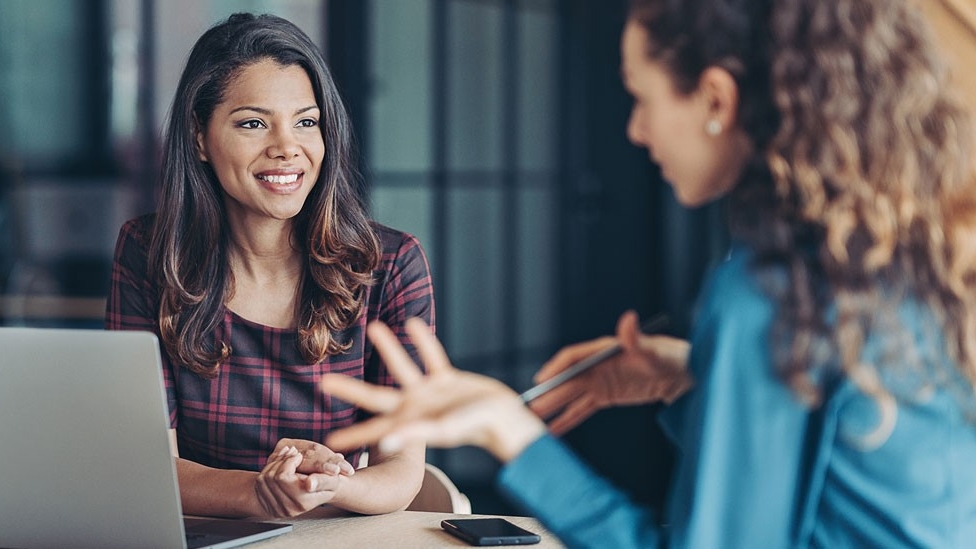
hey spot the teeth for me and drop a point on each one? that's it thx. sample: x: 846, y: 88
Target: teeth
x: 279, y: 179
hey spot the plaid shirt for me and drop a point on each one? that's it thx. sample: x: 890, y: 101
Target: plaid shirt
x: 265, y: 391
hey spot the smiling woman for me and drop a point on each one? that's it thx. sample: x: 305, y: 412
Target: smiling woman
x: 258, y: 273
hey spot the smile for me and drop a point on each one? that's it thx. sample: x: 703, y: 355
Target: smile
x: 279, y: 179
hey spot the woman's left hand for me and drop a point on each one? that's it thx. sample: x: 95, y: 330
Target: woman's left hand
x: 446, y: 408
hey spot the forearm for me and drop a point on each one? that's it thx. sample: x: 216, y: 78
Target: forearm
x: 550, y: 482
x: 388, y: 484
x: 217, y: 492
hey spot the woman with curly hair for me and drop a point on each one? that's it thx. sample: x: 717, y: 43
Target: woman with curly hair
x: 258, y: 274
x: 826, y: 396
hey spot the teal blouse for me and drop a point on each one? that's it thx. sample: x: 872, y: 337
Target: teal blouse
x: 758, y: 469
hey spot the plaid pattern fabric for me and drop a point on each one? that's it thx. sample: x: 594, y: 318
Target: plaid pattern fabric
x: 265, y: 391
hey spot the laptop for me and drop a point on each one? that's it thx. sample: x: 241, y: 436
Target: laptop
x: 84, y: 447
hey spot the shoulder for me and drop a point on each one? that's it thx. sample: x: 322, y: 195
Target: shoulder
x: 402, y: 279
x: 397, y: 247
x: 137, y: 231
x: 393, y: 241
x: 732, y: 289
x: 730, y: 333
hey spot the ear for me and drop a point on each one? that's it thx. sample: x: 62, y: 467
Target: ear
x: 201, y: 143
x: 720, y: 94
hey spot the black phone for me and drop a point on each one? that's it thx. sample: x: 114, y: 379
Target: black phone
x: 489, y: 531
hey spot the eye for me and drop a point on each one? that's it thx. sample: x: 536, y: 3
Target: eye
x: 308, y: 123
x: 252, y: 124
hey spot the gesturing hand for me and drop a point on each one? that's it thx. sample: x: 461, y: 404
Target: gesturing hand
x: 650, y: 369
x: 445, y: 408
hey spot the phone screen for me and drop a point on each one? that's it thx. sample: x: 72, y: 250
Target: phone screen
x: 489, y: 531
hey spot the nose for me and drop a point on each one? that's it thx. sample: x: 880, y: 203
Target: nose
x: 283, y: 144
x: 634, y: 133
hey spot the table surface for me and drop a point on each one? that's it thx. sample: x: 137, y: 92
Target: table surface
x: 404, y: 529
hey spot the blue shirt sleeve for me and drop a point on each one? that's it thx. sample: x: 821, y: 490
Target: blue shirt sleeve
x: 740, y: 434
x: 579, y: 507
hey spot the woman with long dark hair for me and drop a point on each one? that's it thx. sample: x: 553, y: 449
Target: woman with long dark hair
x: 259, y: 272
x: 827, y: 395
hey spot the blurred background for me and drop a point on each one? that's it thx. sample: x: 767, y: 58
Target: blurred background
x: 491, y: 129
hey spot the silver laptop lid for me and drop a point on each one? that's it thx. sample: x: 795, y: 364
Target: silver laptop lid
x: 84, y: 450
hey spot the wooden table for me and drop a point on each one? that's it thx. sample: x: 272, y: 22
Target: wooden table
x: 401, y: 530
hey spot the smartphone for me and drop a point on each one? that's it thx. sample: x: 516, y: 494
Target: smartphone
x: 489, y: 531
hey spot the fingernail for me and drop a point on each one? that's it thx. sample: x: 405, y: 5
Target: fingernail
x: 312, y: 485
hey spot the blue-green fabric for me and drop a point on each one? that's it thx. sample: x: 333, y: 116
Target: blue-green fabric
x: 747, y: 474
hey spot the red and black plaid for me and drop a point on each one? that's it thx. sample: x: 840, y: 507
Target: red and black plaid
x: 265, y: 391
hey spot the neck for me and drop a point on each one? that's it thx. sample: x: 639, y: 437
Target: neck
x: 264, y: 251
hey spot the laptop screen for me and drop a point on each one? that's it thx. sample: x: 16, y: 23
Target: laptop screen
x: 85, y: 457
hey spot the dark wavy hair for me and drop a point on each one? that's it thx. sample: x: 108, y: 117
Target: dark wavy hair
x: 861, y: 189
x: 188, y: 246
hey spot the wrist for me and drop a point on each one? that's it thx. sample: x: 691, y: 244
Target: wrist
x: 206, y: 491
x: 513, y: 431
x: 248, y: 500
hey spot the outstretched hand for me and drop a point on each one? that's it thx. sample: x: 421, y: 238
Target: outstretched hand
x: 446, y: 408
x: 649, y: 369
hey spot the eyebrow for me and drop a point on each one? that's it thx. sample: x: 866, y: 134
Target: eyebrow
x: 268, y: 112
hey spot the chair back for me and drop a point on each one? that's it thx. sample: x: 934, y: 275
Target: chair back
x: 439, y: 495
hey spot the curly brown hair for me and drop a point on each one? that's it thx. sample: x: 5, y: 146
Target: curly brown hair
x: 861, y: 187
x: 188, y: 247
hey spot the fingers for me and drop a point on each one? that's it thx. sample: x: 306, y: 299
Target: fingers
x: 284, y: 490
x: 395, y: 440
x: 574, y: 414
x: 628, y: 334
x: 570, y: 355
x: 428, y: 346
x: 317, y: 458
x: 374, y: 398
x: 547, y: 404
x: 345, y: 468
x: 628, y: 331
x: 361, y: 434
x: 271, y: 482
x: 321, y: 483
x: 396, y: 358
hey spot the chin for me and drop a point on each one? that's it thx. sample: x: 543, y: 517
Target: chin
x: 688, y: 200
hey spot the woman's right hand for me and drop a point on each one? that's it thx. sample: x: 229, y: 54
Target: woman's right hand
x: 651, y: 368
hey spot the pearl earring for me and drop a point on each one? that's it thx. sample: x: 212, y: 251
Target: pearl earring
x: 713, y: 127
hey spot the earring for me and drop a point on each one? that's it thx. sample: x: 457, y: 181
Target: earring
x: 713, y: 127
